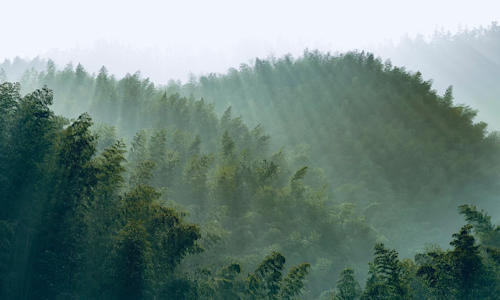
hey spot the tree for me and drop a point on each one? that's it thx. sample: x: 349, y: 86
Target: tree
x: 134, y: 265
x: 196, y: 176
x: 293, y: 284
x: 59, y: 268
x: 6, y: 237
x: 480, y: 221
x: 228, y: 284
x: 50, y: 75
x: 101, y: 221
x: 267, y: 281
x: 153, y: 242
x: 3, y: 76
x: 81, y: 87
x: 347, y: 286
x: 228, y: 147
x: 270, y: 275
x: 459, y: 273
x: 387, y: 280
x: 9, y: 103
x: 105, y: 98
x: 29, y: 80
x: 29, y: 132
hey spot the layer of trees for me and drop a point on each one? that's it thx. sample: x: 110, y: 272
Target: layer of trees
x: 159, y: 195
x: 82, y: 218
x: 467, y: 59
x: 384, y: 138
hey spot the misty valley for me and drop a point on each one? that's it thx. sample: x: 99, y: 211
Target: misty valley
x: 320, y: 176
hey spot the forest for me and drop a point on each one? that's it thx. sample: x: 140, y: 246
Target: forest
x: 322, y: 176
x: 467, y: 59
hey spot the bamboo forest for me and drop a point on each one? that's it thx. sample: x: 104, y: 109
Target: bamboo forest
x: 315, y: 176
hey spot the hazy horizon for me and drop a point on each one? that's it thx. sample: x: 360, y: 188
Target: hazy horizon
x: 204, y: 162
x: 195, y: 37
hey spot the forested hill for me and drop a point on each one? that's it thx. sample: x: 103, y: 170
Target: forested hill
x: 381, y: 134
x: 343, y: 151
x: 468, y: 60
x: 384, y: 139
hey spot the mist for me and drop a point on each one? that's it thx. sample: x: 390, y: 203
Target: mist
x: 169, y: 40
x: 283, y: 150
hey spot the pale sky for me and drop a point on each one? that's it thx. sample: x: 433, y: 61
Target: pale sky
x: 213, y: 35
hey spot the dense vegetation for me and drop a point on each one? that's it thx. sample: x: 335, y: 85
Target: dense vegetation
x: 76, y: 226
x: 384, y: 138
x: 467, y: 59
x: 161, y: 196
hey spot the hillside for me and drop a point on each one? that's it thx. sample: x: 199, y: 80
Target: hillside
x: 381, y: 134
x: 164, y: 191
x: 468, y: 60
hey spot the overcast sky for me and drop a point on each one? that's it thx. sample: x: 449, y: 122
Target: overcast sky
x: 212, y: 35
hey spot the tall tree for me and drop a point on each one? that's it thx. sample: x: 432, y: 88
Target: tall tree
x: 459, y: 273
x: 347, y: 286
x: 59, y: 267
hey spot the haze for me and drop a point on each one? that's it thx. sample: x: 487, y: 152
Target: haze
x: 249, y: 150
x: 169, y: 39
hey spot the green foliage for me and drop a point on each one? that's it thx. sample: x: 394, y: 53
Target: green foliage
x: 3, y: 76
x: 370, y: 125
x: 75, y: 178
x: 197, y: 200
x: 106, y: 136
x: 293, y: 284
x: 269, y: 275
x: 268, y: 283
x: 134, y: 262
x: 6, y: 237
x: 443, y: 53
x: 459, y: 273
x: 387, y: 280
x: 348, y: 287
x: 488, y: 233
x: 227, y: 145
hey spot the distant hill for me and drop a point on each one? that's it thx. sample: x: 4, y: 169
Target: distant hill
x: 469, y: 60
x: 387, y: 157
x: 380, y: 133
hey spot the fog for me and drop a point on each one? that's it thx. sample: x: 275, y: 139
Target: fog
x: 257, y: 150
x: 169, y: 39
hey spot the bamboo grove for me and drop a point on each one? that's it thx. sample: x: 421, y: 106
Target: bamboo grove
x: 164, y: 192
